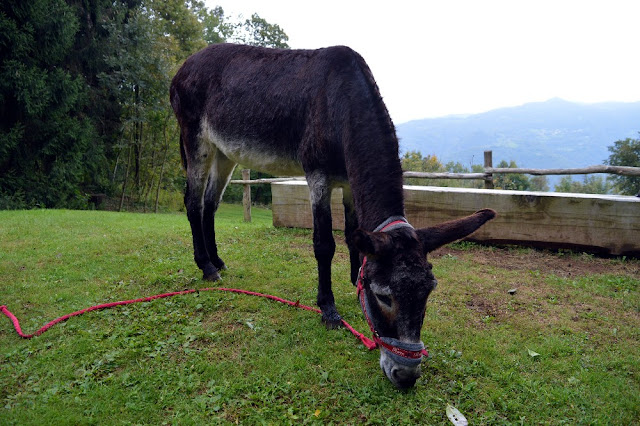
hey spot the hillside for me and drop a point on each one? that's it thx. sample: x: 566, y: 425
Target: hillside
x: 550, y: 134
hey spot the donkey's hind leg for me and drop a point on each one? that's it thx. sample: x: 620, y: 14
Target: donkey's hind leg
x: 219, y: 175
x: 350, y: 225
x: 193, y: 200
x: 208, y: 172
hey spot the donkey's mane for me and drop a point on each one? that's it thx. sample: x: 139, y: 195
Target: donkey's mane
x: 382, y: 113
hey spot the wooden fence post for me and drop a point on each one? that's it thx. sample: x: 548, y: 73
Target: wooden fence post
x: 488, y: 163
x: 246, y: 195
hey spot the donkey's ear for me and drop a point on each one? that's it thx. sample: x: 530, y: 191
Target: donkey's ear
x: 372, y: 243
x: 447, y: 232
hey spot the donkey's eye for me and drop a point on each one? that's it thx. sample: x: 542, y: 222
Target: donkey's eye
x: 384, y: 299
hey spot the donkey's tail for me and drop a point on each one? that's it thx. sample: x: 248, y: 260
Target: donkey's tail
x: 174, y: 98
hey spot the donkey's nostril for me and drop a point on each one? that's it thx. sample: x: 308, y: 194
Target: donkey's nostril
x: 404, y: 379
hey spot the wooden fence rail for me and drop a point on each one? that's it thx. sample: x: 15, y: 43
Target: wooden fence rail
x: 603, y: 224
x: 486, y: 176
x: 617, y: 170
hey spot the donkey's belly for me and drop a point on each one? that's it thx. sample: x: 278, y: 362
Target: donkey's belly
x: 253, y: 153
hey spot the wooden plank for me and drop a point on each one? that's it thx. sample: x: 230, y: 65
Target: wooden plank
x: 594, y: 223
x: 292, y: 209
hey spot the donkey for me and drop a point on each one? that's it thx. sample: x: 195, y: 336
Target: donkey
x: 317, y: 113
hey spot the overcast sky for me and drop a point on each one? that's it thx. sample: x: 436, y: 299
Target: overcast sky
x: 435, y: 58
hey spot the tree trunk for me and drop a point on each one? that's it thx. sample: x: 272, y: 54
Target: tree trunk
x: 164, y: 161
x: 124, y: 183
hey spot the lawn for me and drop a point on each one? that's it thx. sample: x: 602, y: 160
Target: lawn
x: 515, y: 336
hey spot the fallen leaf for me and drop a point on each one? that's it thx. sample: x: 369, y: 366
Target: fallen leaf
x: 317, y: 413
x: 532, y: 354
x: 456, y: 416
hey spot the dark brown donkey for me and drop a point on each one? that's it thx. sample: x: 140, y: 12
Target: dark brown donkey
x: 317, y: 112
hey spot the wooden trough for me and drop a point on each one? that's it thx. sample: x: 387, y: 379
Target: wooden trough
x: 604, y: 224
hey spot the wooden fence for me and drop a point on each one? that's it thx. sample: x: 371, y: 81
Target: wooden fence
x: 486, y: 176
x: 604, y: 224
x: 595, y: 223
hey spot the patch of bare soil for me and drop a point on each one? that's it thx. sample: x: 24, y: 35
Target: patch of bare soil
x: 561, y: 264
x: 529, y: 300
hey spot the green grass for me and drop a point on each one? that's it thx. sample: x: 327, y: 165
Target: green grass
x: 214, y: 357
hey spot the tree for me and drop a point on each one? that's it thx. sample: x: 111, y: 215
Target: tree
x: 539, y: 183
x: 147, y: 50
x: 50, y: 151
x: 511, y: 181
x: 625, y: 153
x: 216, y: 27
x: 84, y: 105
x: 258, y: 32
x: 589, y: 185
x: 179, y: 20
x: 414, y: 161
x: 143, y: 58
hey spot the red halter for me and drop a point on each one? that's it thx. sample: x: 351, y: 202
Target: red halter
x: 395, y: 349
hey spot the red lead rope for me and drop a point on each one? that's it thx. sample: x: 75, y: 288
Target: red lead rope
x: 16, y: 324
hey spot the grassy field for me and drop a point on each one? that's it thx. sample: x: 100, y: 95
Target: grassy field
x: 563, y: 349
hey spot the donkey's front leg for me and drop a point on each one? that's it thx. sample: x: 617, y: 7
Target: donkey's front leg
x: 324, y: 247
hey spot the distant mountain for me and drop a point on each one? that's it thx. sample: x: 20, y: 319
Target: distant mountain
x: 550, y: 134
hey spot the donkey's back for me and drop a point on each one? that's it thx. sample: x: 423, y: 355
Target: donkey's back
x: 275, y: 110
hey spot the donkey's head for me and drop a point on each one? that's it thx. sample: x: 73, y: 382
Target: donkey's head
x: 394, y: 283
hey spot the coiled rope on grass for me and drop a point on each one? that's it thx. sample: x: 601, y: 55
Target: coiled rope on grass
x: 370, y: 344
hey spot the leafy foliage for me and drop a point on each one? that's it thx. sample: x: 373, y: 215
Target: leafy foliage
x: 592, y: 184
x: 258, y: 32
x: 50, y: 145
x: 511, y: 181
x: 84, y: 105
x: 626, y: 153
x: 414, y: 161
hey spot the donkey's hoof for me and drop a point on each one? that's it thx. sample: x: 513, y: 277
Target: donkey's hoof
x: 210, y: 273
x: 332, y: 322
x: 212, y: 277
x: 219, y: 264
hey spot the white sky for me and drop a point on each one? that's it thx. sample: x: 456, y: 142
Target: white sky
x: 434, y: 58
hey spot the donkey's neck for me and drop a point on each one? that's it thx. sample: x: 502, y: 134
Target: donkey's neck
x: 375, y: 177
